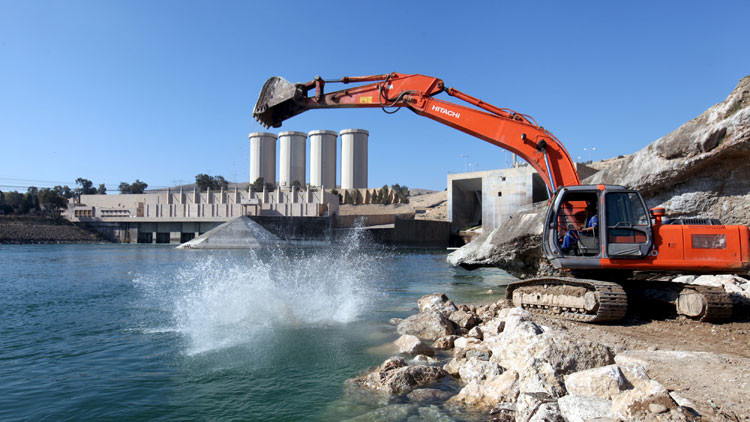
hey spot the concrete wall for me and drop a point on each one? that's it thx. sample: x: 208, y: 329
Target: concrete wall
x: 488, y: 198
x: 210, y: 205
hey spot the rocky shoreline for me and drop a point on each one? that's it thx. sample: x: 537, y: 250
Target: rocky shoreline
x: 21, y: 230
x: 495, y: 362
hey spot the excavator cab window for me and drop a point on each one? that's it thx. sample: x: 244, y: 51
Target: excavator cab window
x: 578, y: 224
x: 628, y: 225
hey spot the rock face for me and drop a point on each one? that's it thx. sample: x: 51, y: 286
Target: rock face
x: 702, y: 169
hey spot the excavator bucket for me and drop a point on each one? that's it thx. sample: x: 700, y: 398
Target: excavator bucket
x: 278, y: 100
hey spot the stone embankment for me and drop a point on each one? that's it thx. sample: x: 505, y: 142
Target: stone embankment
x: 495, y: 362
x: 702, y: 169
x: 31, y: 230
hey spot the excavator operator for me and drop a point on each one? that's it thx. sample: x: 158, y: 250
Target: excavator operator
x: 589, y: 229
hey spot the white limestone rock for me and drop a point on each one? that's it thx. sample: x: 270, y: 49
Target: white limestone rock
x: 537, y: 407
x: 428, y: 325
x: 412, y: 345
x: 604, y: 382
x: 438, y: 302
x: 634, y: 404
x: 584, y: 408
x: 485, y: 394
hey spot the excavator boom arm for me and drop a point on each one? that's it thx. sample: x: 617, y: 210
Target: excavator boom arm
x: 280, y: 100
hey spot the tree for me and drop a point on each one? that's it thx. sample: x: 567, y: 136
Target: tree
x: 135, y: 187
x: 400, y: 193
x: 101, y: 190
x: 257, y: 185
x: 204, y: 181
x: 52, y: 200
x: 384, y: 195
x: 125, y: 188
x: 30, y: 201
x: 64, y: 191
x: 138, y: 186
x: 86, y: 187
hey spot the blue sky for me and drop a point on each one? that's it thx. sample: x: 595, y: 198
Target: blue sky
x: 162, y: 90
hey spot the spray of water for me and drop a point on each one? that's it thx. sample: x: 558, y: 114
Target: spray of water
x: 227, y: 299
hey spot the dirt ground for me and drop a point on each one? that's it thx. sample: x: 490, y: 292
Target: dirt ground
x: 709, y: 364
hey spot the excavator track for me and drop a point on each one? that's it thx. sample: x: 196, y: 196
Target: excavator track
x: 570, y: 298
x: 711, y: 304
x: 589, y: 300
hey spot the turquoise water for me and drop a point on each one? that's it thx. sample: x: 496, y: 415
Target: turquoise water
x: 150, y: 332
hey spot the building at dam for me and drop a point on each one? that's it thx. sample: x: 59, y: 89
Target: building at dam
x: 490, y: 198
x: 178, y: 215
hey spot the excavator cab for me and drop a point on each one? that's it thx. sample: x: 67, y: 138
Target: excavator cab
x: 586, y: 224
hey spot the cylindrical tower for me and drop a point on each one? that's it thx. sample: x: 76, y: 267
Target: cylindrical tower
x: 293, y: 158
x: 323, y: 158
x: 354, y: 158
x: 263, y: 157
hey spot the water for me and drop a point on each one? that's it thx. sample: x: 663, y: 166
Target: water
x: 150, y: 332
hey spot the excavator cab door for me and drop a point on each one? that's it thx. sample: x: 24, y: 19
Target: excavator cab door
x: 628, y: 227
x: 623, y: 231
x: 565, y: 244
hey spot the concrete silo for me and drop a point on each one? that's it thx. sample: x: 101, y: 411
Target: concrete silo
x: 293, y: 158
x: 263, y: 157
x: 323, y: 158
x: 354, y: 158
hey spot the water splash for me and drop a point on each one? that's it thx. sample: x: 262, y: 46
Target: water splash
x: 227, y: 298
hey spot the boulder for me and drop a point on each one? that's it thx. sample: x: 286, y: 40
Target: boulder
x: 444, y: 343
x: 430, y: 413
x: 476, y: 333
x: 412, y: 345
x: 514, y: 348
x: 584, y: 408
x: 632, y: 368
x: 464, y: 319
x: 492, y: 327
x: 604, y: 382
x: 539, y: 376
x: 428, y: 325
x: 537, y: 407
x: 393, y: 412
x: 476, y: 369
x: 487, y: 312
x: 454, y: 366
x: 487, y: 394
x: 424, y: 360
x: 428, y: 395
x: 394, y: 376
x: 467, y: 343
x: 437, y: 302
x: 480, y: 354
x: 634, y: 404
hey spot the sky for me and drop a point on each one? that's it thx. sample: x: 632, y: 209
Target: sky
x: 160, y: 91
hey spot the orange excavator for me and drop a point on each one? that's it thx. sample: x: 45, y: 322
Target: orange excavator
x: 600, y: 234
